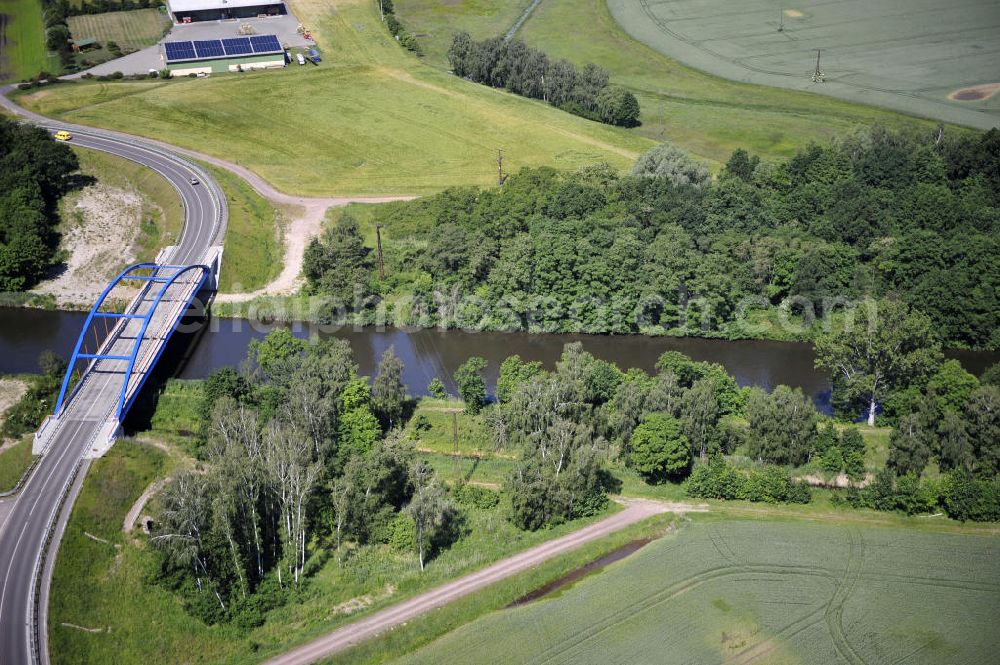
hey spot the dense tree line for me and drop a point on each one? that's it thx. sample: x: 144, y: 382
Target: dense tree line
x: 302, y: 456
x: 35, y: 171
x: 666, y: 249
x: 515, y: 66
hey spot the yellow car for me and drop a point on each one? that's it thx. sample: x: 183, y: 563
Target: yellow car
x: 63, y: 135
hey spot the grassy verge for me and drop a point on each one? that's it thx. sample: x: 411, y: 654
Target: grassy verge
x: 254, y: 250
x: 22, y: 41
x: 14, y: 461
x: 372, y: 119
x: 707, y: 115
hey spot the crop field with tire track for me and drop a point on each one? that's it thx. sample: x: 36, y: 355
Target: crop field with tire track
x: 923, y: 57
x: 764, y: 592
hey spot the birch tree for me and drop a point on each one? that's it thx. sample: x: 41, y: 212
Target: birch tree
x: 429, y: 509
x: 292, y: 474
x: 389, y: 393
x: 885, y: 347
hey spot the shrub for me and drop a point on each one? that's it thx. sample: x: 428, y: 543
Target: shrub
x: 476, y: 496
x: 437, y: 389
x: 720, y: 480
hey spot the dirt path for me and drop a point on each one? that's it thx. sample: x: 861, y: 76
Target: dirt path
x: 306, y: 221
x: 307, y: 215
x: 140, y: 503
x: 354, y: 633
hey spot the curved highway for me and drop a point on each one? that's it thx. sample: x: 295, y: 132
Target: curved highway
x: 39, y: 505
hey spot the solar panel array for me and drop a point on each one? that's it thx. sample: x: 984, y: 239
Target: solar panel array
x: 221, y: 48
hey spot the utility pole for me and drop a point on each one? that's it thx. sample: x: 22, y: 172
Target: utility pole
x: 378, y: 243
x: 781, y: 20
x: 817, y: 76
x: 381, y: 12
x: 500, y: 176
x: 454, y: 434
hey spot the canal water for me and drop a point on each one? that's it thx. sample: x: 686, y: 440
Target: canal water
x: 25, y: 333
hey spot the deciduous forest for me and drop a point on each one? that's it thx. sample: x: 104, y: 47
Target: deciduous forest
x: 667, y: 249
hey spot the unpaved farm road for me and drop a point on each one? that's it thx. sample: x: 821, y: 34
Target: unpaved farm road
x: 359, y: 631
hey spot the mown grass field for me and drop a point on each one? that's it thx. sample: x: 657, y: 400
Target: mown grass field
x: 775, y: 592
x: 433, y: 23
x: 22, y: 41
x: 440, y: 419
x: 706, y: 115
x: 162, y: 210
x: 372, y: 119
x: 134, y: 29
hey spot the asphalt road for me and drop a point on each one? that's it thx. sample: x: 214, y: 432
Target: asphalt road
x: 24, y: 533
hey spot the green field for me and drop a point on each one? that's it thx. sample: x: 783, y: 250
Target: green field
x: 22, y: 41
x: 933, y: 50
x: 433, y: 23
x: 134, y: 29
x: 736, y: 591
x: 371, y: 119
x: 706, y: 115
x: 441, y: 417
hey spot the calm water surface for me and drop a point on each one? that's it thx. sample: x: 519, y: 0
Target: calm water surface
x: 24, y: 333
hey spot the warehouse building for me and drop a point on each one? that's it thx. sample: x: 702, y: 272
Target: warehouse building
x: 189, y: 11
x: 223, y: 55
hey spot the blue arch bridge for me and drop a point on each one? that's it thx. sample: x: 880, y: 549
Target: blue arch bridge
x: 124, y: 335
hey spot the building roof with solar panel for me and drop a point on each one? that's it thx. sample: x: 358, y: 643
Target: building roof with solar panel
x: 220, y: 55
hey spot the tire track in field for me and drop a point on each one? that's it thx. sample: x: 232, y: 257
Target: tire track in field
x: 762, y: 649
x: 835, y: 609
x: 683, y: 586
x: 716, y: 537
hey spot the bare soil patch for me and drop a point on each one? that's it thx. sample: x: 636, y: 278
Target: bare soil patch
x: 975, y: 93
x: 100, y: 225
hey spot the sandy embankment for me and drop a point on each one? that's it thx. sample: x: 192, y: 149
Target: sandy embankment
x: 100, y: 225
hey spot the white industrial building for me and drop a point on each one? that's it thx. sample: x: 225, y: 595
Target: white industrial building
x: 190, y: 11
